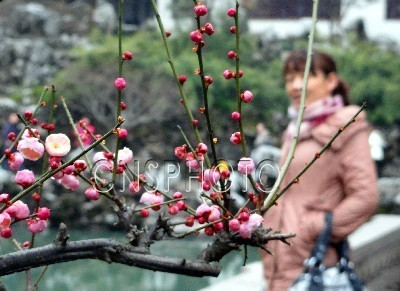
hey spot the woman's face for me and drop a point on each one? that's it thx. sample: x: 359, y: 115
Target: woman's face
x: 319, y: 86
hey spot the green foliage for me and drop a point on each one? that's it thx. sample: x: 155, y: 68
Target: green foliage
x: 372, y: 73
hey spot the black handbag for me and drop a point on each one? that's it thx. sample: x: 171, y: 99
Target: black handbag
x: 317, y: 277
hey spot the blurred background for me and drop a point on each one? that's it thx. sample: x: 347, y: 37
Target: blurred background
x: 73, y: 46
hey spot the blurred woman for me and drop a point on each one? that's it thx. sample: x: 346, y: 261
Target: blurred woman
x: 343, y: 180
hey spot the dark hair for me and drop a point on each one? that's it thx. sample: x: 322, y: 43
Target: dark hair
x: 296, y: 63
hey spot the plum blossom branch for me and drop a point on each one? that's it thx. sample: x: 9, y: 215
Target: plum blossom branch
x: 75, y: 130
x: 120, y: 63
x: 174, y: 72
x: 272, y: 195
x: 17, y: 138
x: 51, y: 173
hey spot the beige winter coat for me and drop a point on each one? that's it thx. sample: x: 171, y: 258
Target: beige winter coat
x: 342, y: 180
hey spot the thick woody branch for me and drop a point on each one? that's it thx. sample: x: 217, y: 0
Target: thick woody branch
x: 227, y: 242
x: 108, y: 250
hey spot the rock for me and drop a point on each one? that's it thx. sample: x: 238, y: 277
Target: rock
x: 104, y: 16
x: 38, y: 20
x: 36, y: 39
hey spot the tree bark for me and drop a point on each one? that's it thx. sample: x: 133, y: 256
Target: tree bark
x: 108, y: 250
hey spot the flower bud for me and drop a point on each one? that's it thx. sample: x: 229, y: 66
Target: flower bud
x: 231, y: 12
x: 235, y: 115
x: 127, y: 55
x: 200, y: 9
x: 196, y: 36
x: 120, y: 83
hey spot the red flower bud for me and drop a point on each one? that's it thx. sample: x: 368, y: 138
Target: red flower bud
x: 231, y: 12
x: 51, y: 127
x: 208, y: 80
x: 28, y: 114
x: 182, y: 79
x: 200, y: 9
x: 123, y: 133
x: 123, y: 105
x: 235, y: 115
x: 208, y: 29
x: 11, y: 136
x: 127, y: 55
x: 232, y: 55
x: 196, y: 36
x: 145, y: 212
x: 6, y: 233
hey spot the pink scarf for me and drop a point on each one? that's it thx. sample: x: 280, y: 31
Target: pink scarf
x: 314, y: 114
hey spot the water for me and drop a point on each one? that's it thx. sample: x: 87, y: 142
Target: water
x: 89, y: 275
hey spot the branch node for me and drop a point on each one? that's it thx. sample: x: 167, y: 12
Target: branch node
x: 62, y: 236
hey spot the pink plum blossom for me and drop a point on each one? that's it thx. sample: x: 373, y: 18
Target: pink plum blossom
x: 234, y: 225
x: 125, y: 156
x: 201, y: 148
x: 68, y: 170
x: 180, y: 152
x: 80, y: 165
x: 191, y: 161
x: 151, y: 198
x: 70, y: 182
x: 43, y: 213
x: 36, y: 225
x: 245, y: 230
x: 246, y: 166
x: 25, y: 178
x: 236, y: 138
x: 57, y: 144
x: 4, y: 197
x: 18, y: 210
x: 203, y: 210
x: 215, y: 214
x: 255, y: 220
x: 246, y: 96
x: 92, y: 193
x: 5, y: 220
x: 248, y: 226
x: 15, y: 160
x: 120, y: 83
x: 30, y: 148
x: 103, y: 164
x: 134, y: 187
x: 211, y: 176
x: 58, y: 175
x: 30, y: 133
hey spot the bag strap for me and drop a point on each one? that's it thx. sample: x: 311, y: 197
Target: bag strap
x: 314, y: 267
x: 345, y: 265
x: 322, y: 243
